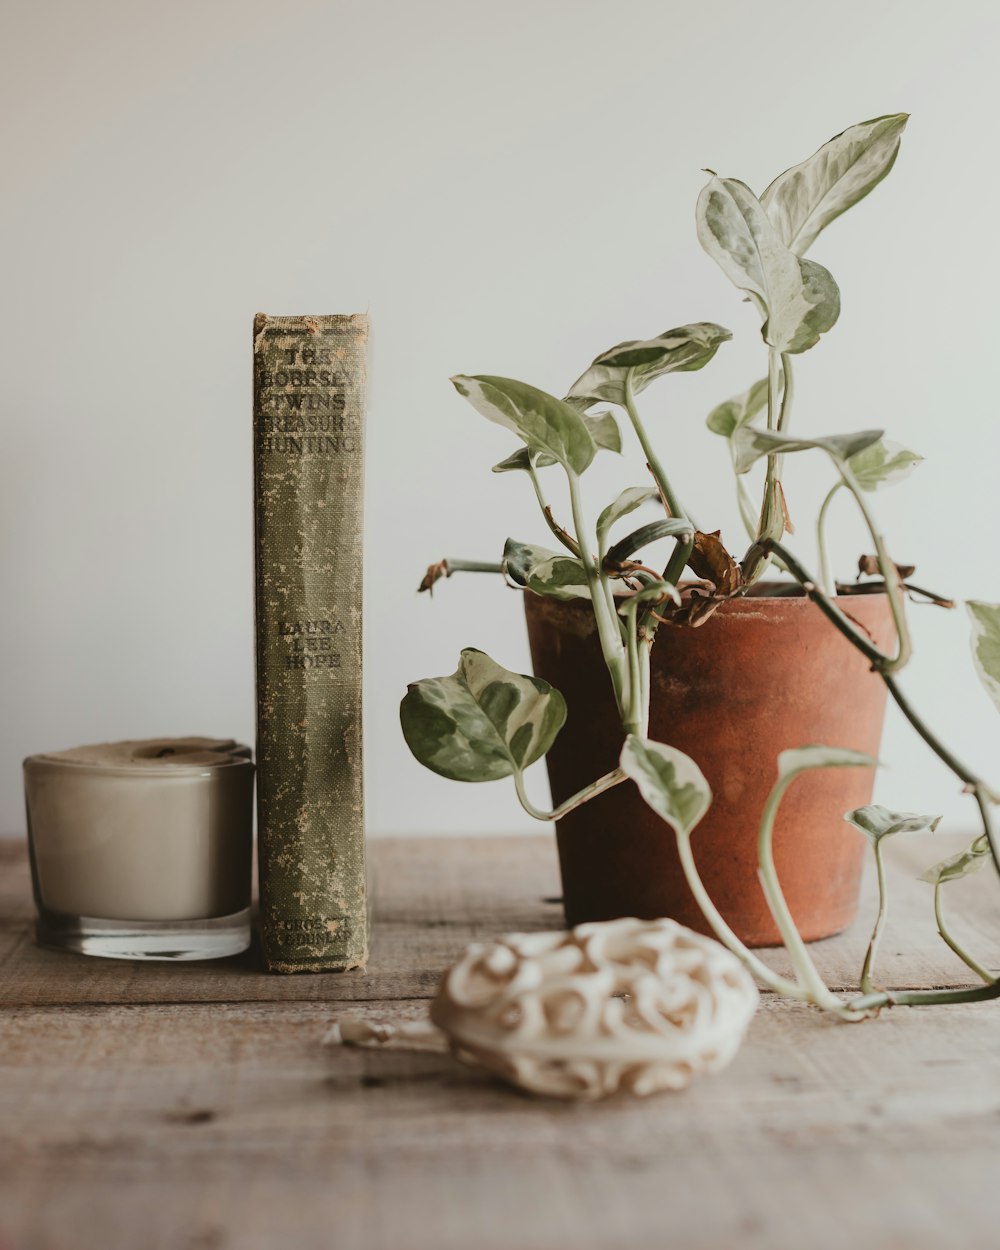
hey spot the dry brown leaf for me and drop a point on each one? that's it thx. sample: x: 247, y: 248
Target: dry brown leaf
x: 711, y: 561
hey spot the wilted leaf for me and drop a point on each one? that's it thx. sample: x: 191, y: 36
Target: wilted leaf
x: 883, y: 463
x: 482, y: 722
x: 806, y: 198
x: 985, y: 619
x: 868, y: 566
x: 545, y: 423
x: 727, y: 417
x: 549, y: 573
x: 751, y: 444
x: 797, y: 299
x: 670, y: 781
x: 877, y: 822
x: 698, y: 602
x: 674, y: 351
x: 665, y: 527
x: 433, y: 575
x: 711, y: 561
x: 800, y: 759
x: 961, y: 865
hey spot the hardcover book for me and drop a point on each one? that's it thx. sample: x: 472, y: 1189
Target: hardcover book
x: 309, y: 409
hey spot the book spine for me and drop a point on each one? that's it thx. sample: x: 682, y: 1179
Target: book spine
x: 309, y: 408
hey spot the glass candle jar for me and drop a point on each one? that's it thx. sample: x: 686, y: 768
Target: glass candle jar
x: 142, y: 850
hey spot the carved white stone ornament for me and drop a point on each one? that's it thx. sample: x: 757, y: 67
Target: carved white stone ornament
x: 634, y: 1005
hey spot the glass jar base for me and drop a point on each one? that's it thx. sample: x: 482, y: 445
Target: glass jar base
x: 165, y: 940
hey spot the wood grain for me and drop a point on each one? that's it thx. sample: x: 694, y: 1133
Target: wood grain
x: 194, y: 1106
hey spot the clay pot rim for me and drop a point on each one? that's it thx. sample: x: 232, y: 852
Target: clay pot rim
x: 753, y: 601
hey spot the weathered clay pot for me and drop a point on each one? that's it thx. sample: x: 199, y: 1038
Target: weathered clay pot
x: 761, y: 675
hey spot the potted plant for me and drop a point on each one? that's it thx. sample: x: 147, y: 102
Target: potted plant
x: 690, y: 681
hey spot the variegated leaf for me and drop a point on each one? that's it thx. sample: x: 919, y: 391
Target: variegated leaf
x: 603, y: 429
x: 751, y: 444
x: 985, y: 619
x: 680, y: 350
x: 545, y: 423
x: 671, y: 782
x: 481, y: 723
x: 630, y: 499
x: 727, y: 417
x: 801, y: 759
x: 550, y: 573
x: 961, y: 865
x: 877, y: 822
x: 883, y: 463
x: 806, y: 198
x: 798, y: 300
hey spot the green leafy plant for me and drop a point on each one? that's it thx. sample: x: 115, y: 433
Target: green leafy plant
x: 484, y: 722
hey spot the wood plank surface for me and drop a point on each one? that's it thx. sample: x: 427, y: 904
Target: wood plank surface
x: 194, y: 1106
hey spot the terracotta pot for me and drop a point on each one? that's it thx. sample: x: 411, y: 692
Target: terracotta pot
x: 761, y: 675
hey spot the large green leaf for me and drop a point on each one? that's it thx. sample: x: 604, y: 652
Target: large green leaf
x: 985, y: 619
x: 630, y: 499
x: 751, y: 444
x: 806, y: 198
x: 961, y: 865
x: 550, y: 573
x: 801, y: 759
x: 727, y: 417
x: 482, y: 722
x: 671, y: 782
x: 680, y: 350
x: 797, y: 299
x: 545, y: 423
x: 877, y: 822
x: 883, y: 463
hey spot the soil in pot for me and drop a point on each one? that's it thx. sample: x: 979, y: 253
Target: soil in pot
x: 761, y: 675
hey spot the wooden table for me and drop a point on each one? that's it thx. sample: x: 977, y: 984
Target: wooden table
x: 147, y: 1106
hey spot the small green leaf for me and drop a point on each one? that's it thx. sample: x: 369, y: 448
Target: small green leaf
x: 800, y: 759
x: 751, y: 444
x: 630, y: 499
x: 985, y: 618
x: 961, y: 865
x: 545, y: 423
x: 877, y: 822
x: 806, y: 198
x: 550, y: 573
x: 521, y: 460
x: 740, y: 410
x: 680, y: 350
x: 798, y: 300
x: 665, y: 527
x: 883, y: 463
x: 670, y: 781
x: 481, y: 723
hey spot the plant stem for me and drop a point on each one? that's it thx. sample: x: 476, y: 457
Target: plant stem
x: 608, y: 630
x: 828, y: 584
x: 607, y: 782
x: 967, y: 959
x: 883, y: 907
x: 659, y: 477
x: 806, y: 972
x: 780, y: 985
x: 633, y: 724
x: 567, y: 540
x: 890, y: 575
x: 471, y: 566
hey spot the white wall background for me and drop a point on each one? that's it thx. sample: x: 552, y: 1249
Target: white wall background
x: 507, y: 188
